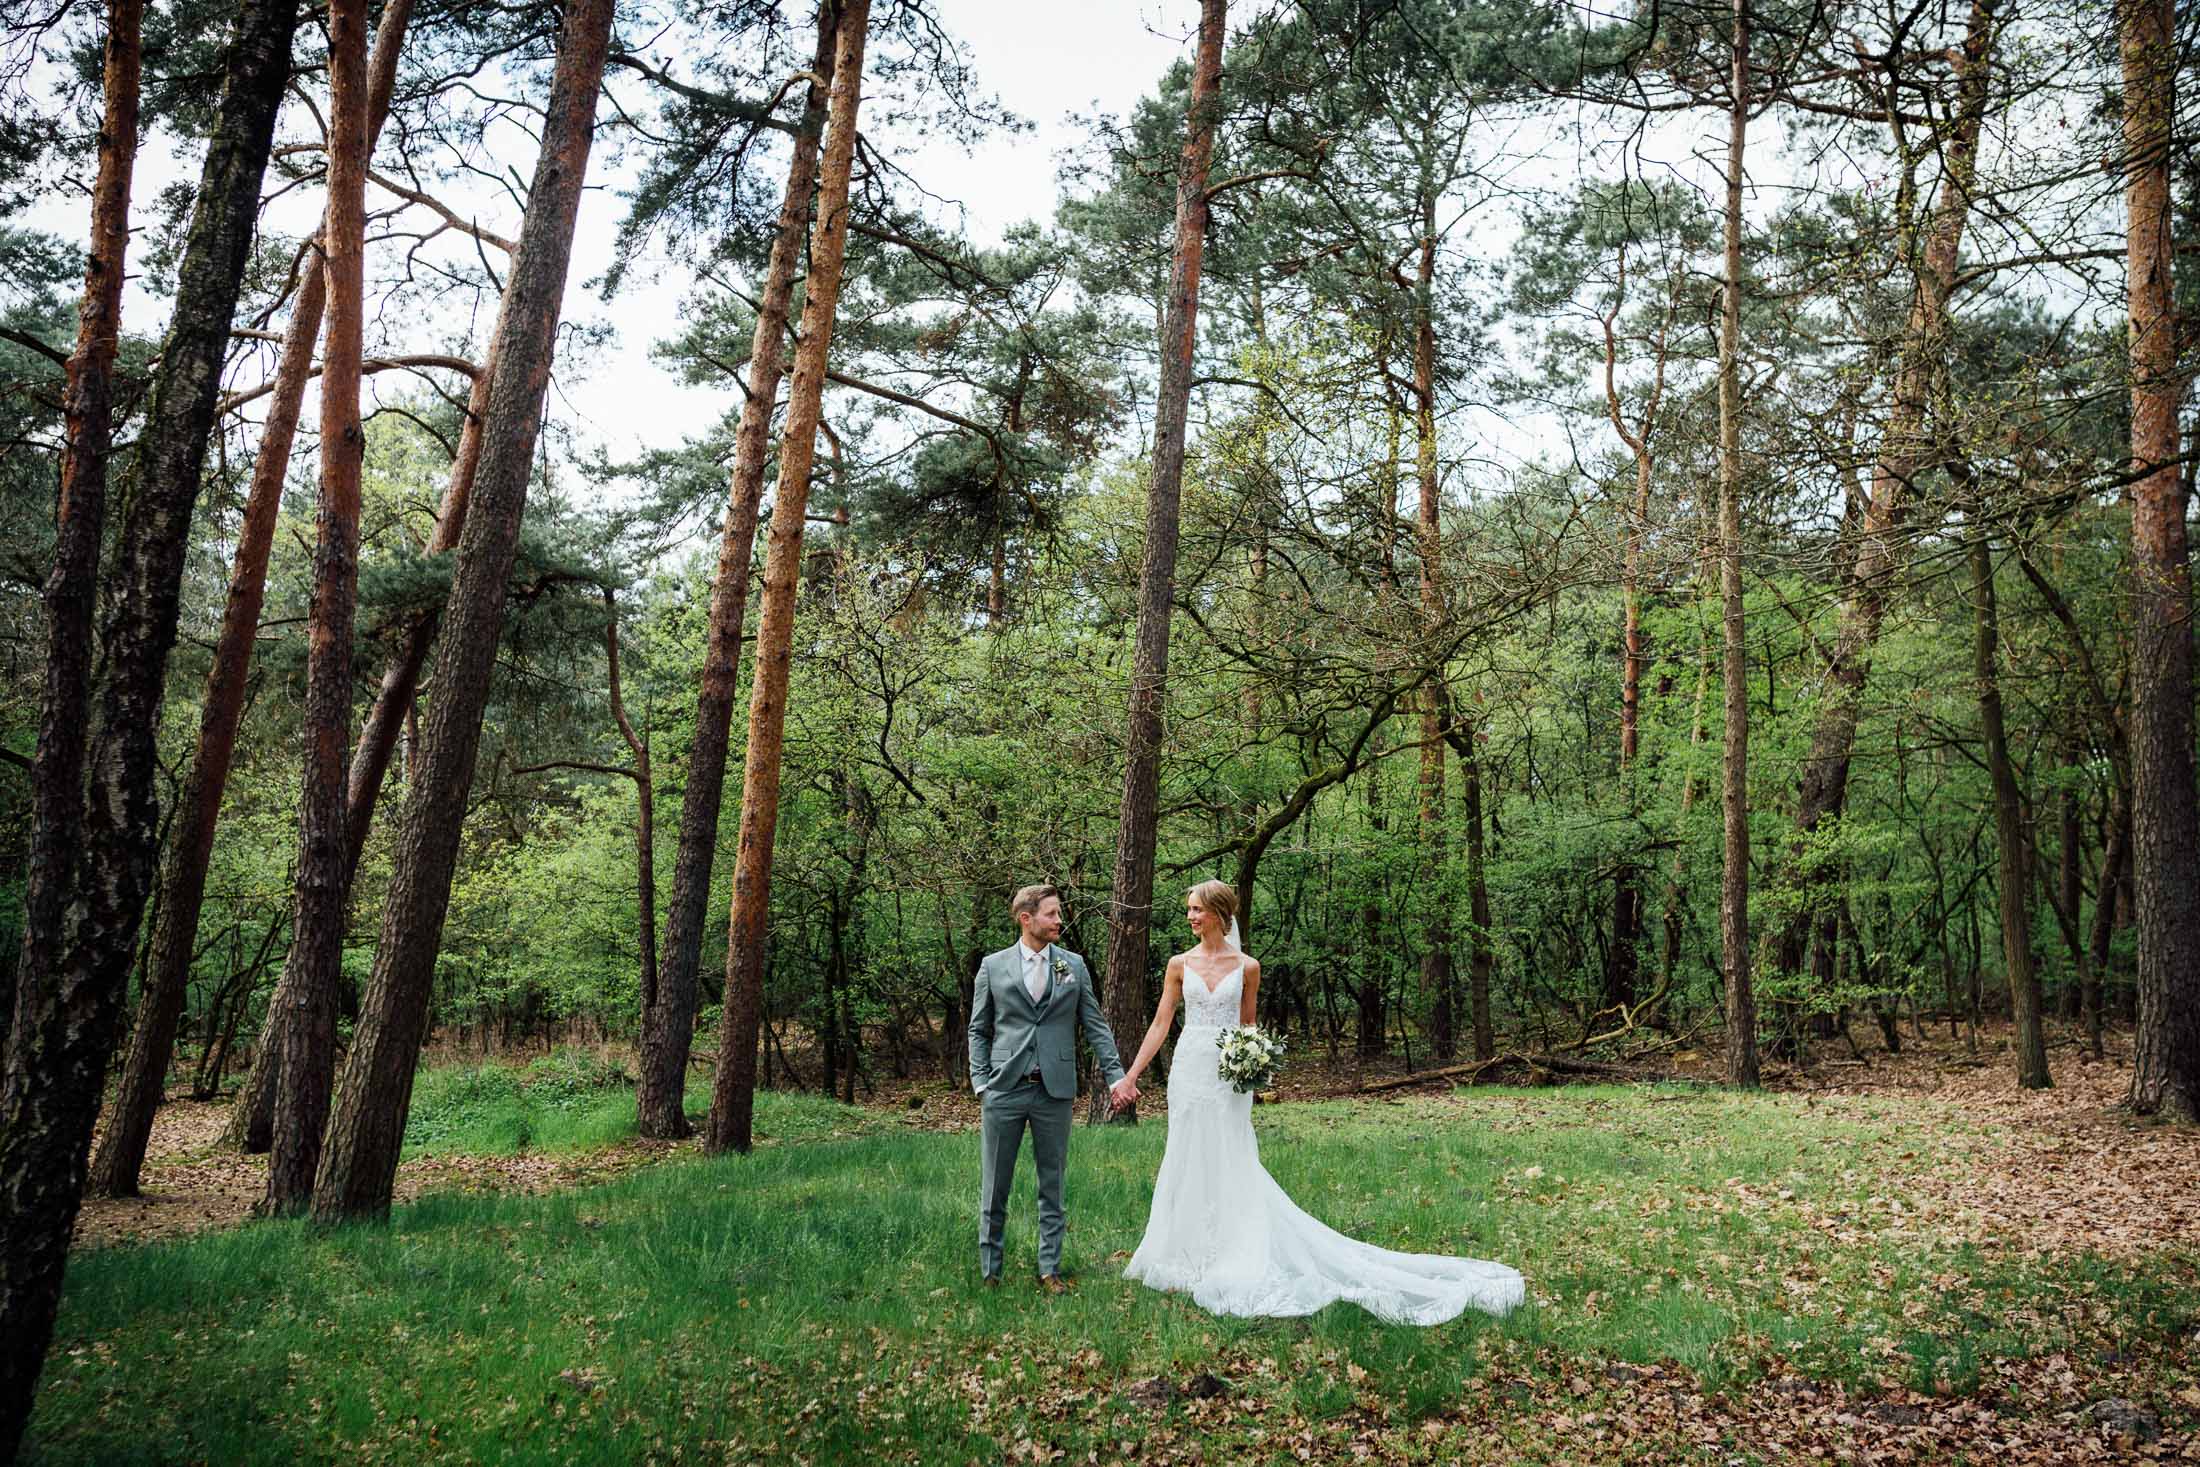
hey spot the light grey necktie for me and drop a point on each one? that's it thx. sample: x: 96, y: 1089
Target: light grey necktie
x: 1035, y: 972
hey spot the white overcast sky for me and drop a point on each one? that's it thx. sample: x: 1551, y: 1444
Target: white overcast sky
x: 1045, y: 62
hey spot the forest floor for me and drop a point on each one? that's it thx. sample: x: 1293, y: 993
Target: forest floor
x: 1906, y: 1260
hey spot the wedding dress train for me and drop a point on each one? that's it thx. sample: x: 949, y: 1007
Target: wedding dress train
x: 1222, y: 1230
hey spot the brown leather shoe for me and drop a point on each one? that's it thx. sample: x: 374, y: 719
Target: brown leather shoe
x: 991, y: 1280
x: 1053, y: 1283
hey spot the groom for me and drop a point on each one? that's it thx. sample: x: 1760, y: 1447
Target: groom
x: 1029, y: 1001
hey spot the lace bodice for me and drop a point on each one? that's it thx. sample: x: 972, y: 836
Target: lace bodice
x: 1216, y: 1010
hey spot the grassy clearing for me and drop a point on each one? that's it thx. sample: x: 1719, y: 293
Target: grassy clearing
x: 819, y: 1301
x: 571, y: 1101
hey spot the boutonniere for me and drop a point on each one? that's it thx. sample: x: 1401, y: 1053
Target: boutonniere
x: 1062, y: 974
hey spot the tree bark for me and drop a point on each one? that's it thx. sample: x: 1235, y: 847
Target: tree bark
x: 1437, y: 976
x: 1903, y: 453
x: 2115, y: 858
x: 70, y: 991
x: 1130, y: 916
x: 1479, y: 962
x: 1370, y: 1030
x: 1627, y: 904
x: 733, y: 1091
x: 645, y: 795
x: 251, y: 1124
x: 668, y: 1012
x: 1741, y: 1003
x: 317, y: 923
x: 359, y: 1162
x: 2030, y: 1044
x: 80, y: 515
x: 2165, y: 824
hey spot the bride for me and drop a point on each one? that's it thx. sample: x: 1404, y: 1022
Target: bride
x: 1221, y: 1229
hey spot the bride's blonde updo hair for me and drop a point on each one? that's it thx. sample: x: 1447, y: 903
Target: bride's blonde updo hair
x: 1217, y: 897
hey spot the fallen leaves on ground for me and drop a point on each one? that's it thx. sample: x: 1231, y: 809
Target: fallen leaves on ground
x: 192, y: 1182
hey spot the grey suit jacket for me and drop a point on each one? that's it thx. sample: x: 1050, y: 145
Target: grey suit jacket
x: 1010, y: 1035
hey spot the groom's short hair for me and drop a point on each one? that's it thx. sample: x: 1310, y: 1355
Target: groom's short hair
x: 1027, y: 902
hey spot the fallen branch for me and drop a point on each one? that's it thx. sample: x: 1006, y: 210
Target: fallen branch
x: 1547, y: 1063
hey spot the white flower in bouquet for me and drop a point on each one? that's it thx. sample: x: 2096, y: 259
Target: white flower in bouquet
x: 1250, y: 1057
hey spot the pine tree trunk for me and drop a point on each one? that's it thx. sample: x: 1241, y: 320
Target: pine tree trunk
x: 2165, y: 825
x: 668, y: 1017
x: 57, y: 769
x: 70, y: 992
x: 393, y: 706
x: 2030, y: 1044
x: 1669, y: 963
x: 1369, y: 1029
x: 359, y: 1162
x: 1478, y: 894
x: 1741, y: 1003
x: 645, y: 796
x: 317, y: 923
x: 1130, y: 916
x: 733, y: 1091
x: 1437, y: 975
x: 1627, y: 903
x: 1904, y: 451
x: 251, y: 1125
x: 2107, y: 883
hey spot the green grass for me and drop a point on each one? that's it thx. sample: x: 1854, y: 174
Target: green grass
x: 818, y: 1301
x: 571, y: 1101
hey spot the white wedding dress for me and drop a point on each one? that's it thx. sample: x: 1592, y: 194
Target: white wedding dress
x: 1222, y: 1231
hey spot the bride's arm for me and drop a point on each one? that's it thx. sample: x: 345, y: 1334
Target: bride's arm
x: 1172, y: 989
x: 1252, y: 987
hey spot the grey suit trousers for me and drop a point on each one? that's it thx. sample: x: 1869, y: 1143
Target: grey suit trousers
x: 1009, y: 1109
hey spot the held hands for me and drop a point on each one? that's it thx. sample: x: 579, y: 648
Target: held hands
x: 1123, y: 1092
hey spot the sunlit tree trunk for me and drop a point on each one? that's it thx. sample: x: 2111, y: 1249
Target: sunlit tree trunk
x: 668, y: 1007
x: 733, y: 1092
x: 2165, y: 820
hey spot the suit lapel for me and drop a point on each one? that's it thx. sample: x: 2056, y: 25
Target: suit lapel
x: 1012, y: 958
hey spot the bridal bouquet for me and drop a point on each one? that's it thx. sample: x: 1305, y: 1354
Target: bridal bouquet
x: 1250, y: 1057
